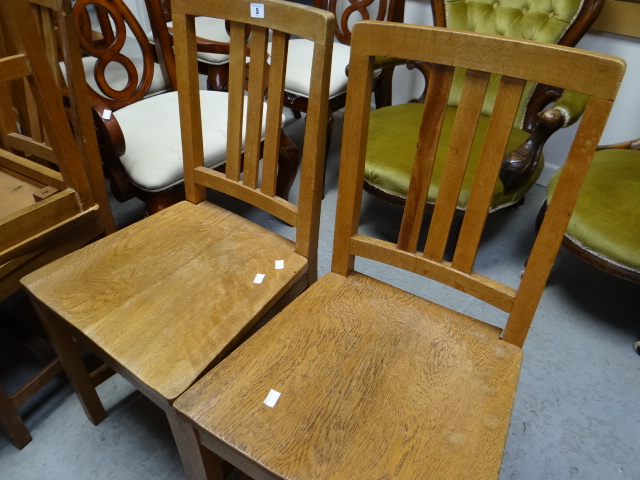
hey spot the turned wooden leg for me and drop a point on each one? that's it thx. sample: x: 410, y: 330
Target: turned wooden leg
x: 71, y: 363
x: 199, y: 463
x: 11, y: 422
x: 288, y: 164
x: 218, y: 78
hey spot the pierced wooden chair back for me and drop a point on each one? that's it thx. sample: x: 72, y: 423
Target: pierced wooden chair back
x: 516, y: 61
x: 104, y: 26
x: 40, y: 151
x: 245, y: 177
x: 350, y: 12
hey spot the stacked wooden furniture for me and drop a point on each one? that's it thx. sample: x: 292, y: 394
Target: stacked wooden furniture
x: 359, y: 379
x: 49, y: 180
x: 164, y: 300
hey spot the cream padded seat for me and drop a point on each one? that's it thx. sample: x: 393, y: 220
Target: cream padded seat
x: 153, y: 156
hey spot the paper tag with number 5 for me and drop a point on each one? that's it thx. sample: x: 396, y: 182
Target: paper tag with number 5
x: 257, y: 10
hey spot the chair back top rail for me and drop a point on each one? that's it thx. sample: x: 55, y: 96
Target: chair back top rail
x: 241, y: 178
x: 516, y: 61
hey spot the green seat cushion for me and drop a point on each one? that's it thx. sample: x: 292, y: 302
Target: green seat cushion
x: 393, y: 136
x: 606, y: 219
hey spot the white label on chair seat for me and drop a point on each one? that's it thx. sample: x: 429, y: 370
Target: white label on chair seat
x: 257, y: 10
x: 272, y: 398
x: 279, y: 264
x: 106, y: 114
x: 259, y: 278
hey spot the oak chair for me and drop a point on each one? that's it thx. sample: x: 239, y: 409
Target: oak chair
x: 49, y: 179
x: 137, y: 116
x: 375, y: 382
x: 165, y: 299
x: 394, y: 129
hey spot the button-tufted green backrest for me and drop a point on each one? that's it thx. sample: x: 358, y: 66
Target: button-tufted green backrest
x: 540, y: 20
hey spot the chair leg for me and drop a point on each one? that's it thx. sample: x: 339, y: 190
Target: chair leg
x: 199, y: 463
x: 288, y: 164
x: 218, y: 78
x: 11, y: 422
x: 72, y: 363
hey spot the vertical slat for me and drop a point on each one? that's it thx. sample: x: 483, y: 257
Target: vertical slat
x: 190, y: 108
x: 277, y: 71
x: 498, y: 133
x: 236, y: 100
x: 428, y: 136
x: 258, y: 70
x: 313, y: 156
x: 460, y: 143
x: 556, y: 220
x: 354, y: 147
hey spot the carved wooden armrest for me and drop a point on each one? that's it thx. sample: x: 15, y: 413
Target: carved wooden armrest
x: 519, y: 165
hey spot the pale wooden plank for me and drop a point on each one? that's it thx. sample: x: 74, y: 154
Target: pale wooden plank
x: 277, y: 67
x: 14, y: 67
x: 460, y: 143
x: 276, y: 206
x: 236, y: 100
x: 15, y: 194
x: 430, y: 127
x: 258, y: 69
x: 31, y: 169
x: 516, y: 58
x: 556, y: 219
x: 30, y: 146
x: 190, y: 108
x: 493, y: 150
x: 33, y: 219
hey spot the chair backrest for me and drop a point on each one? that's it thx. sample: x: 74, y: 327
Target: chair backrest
x: 47, y: 158
x: 561, y: 22
x: 125, y: 68
x: 349, y: 12
x: 516, y: 61
x: 243, y: 177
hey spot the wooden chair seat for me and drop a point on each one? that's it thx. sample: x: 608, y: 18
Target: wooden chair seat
x: 364, y: 410
x: 174, y: 267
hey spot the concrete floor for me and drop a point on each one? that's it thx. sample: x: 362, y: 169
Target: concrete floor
x: 577, y: 411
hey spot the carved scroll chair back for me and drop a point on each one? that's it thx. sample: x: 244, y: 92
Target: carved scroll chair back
x: 394, y: 129
x: 49, y: 180
x: 168, y: 297
x: 362, y: 379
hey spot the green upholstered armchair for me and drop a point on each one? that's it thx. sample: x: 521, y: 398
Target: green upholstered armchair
x: 605, y: 226
x: 393, y: 130
x: 604, y: 229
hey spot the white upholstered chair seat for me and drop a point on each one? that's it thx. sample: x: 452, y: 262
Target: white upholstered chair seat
x: 151, y: 129
x: 209, y: 29
x: 299, y: 68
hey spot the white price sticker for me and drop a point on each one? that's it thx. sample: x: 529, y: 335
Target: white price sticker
x: 279, y: 264
x: 257, y: 10
x: 106, y: 114
x: 259, y: 278
x: 272, y: 398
